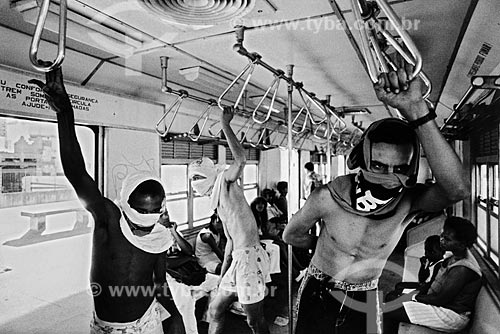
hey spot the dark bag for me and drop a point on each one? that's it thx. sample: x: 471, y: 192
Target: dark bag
x: 185, y: 269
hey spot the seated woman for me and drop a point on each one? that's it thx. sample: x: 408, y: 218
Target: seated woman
x: 269, y: 232
x: 185, y: 296
x: 431, y: 261
x: 275, y: 217
x: 208, y: 248
x: 449, y: 301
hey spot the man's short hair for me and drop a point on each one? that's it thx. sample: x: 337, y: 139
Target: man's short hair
x: 309, y: 166
x: 268, y: 191
x: 148, y: 188
x: 464, y: 230
x: 434, y: 241
x: 393, y: 133
x: 282, y: 185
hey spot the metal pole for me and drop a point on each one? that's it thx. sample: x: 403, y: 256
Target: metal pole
x: 328, y: 144
x: 289, y: 69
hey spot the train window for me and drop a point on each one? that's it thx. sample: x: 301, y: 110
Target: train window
x: 43, y: 232
x: 486, y: 181
x: 250, y: 179
x: 31, y: 170
x: 175, y: 179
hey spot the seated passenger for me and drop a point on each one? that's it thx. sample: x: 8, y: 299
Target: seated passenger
x: 267, y: 232
x: 276, y: 219
x: 449, y: 301
x: 208, y: 248
x: 430, y: 261
x: 185, y: 296
x: 281, y: 201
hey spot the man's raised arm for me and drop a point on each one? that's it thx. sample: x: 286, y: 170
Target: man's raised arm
x: 235, y: 170
x: 71, y: 154
x: 452, y: 182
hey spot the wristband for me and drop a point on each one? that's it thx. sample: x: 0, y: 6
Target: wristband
x: 422, y: 120
x: 414, y: 298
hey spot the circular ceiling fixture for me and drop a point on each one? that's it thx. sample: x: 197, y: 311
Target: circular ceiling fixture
x: 199, y: 12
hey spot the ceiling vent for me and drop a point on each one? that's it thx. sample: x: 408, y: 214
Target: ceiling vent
x: 199, y: 12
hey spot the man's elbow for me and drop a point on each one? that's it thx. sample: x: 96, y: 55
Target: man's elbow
x: 461, y: 191
x: 288, y: 237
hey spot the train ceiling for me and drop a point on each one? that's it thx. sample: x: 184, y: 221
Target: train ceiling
x: 117, y: 45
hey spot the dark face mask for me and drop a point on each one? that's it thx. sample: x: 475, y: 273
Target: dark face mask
x: 370, y: 197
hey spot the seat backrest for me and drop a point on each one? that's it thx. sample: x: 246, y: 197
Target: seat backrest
x: 420, y: 232
x: 486, y: 318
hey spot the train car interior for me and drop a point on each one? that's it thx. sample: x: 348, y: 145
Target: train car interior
x: 147, y: 80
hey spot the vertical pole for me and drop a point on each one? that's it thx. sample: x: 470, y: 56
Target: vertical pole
x: 328, y: 144
x: 289, y: 69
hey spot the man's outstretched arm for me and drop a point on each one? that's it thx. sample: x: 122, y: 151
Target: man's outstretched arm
x: 71, y: 154
x: 235, y: 170
x: 296, y: 232
x: 452, y: 182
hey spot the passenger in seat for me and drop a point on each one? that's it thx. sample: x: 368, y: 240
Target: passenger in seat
x: 208, y: 245
x: 447, y: 303
x: 431, y: 261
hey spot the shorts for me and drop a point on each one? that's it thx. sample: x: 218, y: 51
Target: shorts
x: 149, y: 323
x: 248, y: 274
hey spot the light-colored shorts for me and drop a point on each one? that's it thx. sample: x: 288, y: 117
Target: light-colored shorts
x: 248, y: 274
x: 211, y: 266
x: 149, y: 323
x: 435, y: 317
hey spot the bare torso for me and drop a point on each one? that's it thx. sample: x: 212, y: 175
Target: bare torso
x: 237, y: 216
x: 354, y: 248
x: 117, y: 265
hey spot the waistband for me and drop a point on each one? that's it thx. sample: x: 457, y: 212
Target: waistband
x: 331, y: 283
x: 247, y: 249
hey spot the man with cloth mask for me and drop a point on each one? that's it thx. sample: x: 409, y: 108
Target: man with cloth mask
x: 245, y: 269
x: 128, y: 239
x: 364, y: 214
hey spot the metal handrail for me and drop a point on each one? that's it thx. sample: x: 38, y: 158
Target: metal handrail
x: 422, y: 75
x: 275, y: 84
x: 477, y: 82
x: 295, y: 119
x: 205, y: 115
x: 211, y: 133
x: 308, y: 109
x: 37, y: 36
x: 261, y: 136
x: 175, y: 107
x: 249, y: 70
x: 369, y: 43
x: 269, y: 136
x: 256, y: 59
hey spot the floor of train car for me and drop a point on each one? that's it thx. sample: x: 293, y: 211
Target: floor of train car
x: 45, y: 289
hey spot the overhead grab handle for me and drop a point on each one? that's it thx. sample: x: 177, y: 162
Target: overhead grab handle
x: 261, y: 136
x: 274, y: 88
x: 369, y: 44
x: 296, y: 118
x: 37, y: 36
x: 245, y: 126
x: 205, y: 115
x: 248, y: 70
x: 307, y: 106
x: 422, y: 75
x: 477, y: 82
x: 163, y: 129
